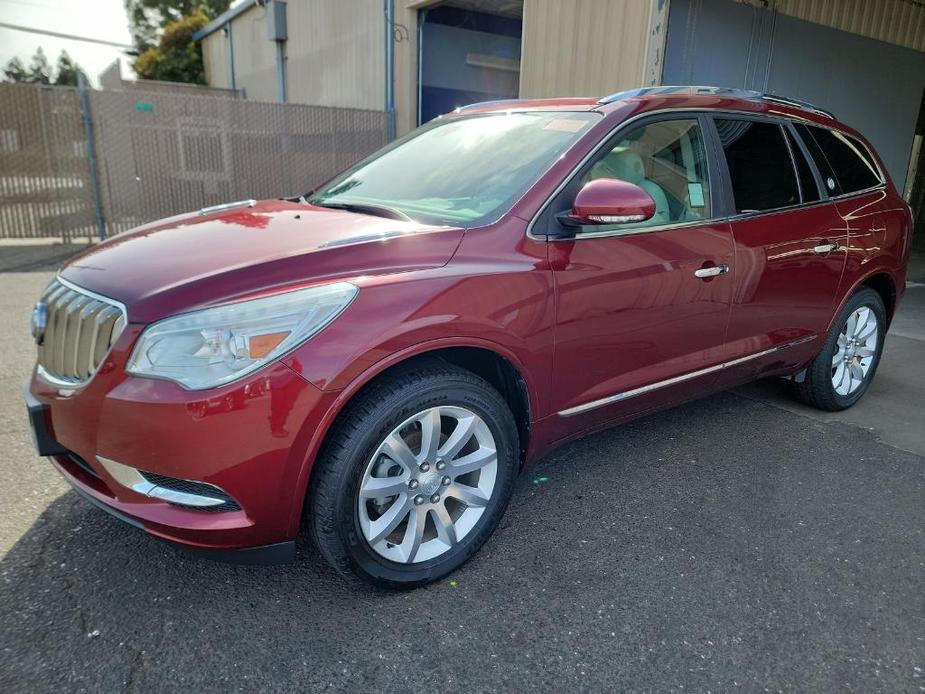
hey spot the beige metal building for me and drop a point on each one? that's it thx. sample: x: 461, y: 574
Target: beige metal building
x: 864, y: 59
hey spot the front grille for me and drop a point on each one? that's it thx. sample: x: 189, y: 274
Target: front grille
x: 198, y: 488
x: 80, y: 330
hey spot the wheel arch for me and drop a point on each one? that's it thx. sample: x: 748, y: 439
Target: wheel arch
x: 882, y: 282
x: 488, y: 360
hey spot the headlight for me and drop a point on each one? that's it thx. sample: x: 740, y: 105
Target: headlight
x: 208, y: 348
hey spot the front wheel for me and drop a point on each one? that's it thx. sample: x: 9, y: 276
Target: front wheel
x: 415, y: 476
x: 844, y: 369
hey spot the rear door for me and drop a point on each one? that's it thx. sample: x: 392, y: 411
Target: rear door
x: 851, y: 174
x: 790, y: 246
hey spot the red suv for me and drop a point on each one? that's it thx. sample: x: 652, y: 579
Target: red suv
x: 382, y: 356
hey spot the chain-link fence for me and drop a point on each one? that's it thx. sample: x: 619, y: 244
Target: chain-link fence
x: 45, y: 186
x: 160, y: 154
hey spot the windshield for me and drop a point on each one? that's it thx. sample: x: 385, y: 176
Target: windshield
x: 460, y: 171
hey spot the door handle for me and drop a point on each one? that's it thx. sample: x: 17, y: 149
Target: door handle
x: 825, y: 248
x: 705, y: 272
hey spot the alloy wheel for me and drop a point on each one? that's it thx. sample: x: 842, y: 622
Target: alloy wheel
x: 856, y: 351
x: 427, y: 484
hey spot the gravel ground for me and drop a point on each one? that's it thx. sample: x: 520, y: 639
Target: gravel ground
x: 726, y: 544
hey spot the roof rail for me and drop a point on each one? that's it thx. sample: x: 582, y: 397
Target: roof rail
x: 716, y: 91
x: 490, y: 102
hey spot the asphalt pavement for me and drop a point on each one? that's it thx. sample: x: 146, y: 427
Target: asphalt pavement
x: 740, y: 542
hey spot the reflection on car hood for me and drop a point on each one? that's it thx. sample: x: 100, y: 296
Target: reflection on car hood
x: 194, y: 260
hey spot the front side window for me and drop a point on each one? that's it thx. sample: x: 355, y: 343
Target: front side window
x: 760, y: 167
x: 852, y: 166
x: 667, y: 159
x: 459, y: 171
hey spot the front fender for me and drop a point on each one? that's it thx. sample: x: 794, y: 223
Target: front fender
x: 508, y: 312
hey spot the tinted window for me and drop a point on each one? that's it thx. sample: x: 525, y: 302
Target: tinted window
x: 667, y: 159
x: 819, y: 158
x: 853, y: 166
x: 759, y: 162
x: 809, y: 191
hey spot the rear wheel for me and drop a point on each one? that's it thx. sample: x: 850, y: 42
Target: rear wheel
x: 415, y: 476
x: 844, y: 369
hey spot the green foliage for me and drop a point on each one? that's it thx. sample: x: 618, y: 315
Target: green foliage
x: 68, y: 71
x: 40, y: 71
x: 176, y: 58
x: 148, y: 17
x: 15, y: 71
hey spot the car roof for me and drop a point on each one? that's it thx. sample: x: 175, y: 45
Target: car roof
x: 663, y: 98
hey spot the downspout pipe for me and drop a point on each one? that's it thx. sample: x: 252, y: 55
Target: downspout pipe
x: 229, y: 27
x: 390, y: 65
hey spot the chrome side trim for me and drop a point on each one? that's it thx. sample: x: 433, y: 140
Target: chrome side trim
x: 625, y: 395
x: 131, y: 478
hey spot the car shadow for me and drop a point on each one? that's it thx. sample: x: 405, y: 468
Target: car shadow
x: 722, y: 541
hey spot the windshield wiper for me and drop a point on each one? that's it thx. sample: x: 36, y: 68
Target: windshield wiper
x: 365, y: 208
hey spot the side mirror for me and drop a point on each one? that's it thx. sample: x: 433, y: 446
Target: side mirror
x: 611, y: 201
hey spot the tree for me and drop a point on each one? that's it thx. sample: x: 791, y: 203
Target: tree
x: 39, y: 69
x: 15, y: 71
x: 67, y: 71
x: 40, y: 72
x: 176, y: 58
x: 149, y: 17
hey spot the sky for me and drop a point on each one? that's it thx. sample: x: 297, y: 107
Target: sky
x: 99, y: 19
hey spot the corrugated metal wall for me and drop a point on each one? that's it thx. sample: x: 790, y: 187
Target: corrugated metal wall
x: 901, y: 22
x: 583, y: 47
x: 869, y: 84
x: 335, y: 54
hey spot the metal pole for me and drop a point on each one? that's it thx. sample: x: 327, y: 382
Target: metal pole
x: 422, y: 17
x: 390, y: 65
x: 87, y: 119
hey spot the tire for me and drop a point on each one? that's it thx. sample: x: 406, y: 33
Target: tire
x: 362, y: 445
x: 819, y: 387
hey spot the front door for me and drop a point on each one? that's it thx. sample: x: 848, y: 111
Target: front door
x: 642, y: 308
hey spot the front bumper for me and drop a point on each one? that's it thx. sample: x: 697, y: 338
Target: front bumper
x: 253, y: 439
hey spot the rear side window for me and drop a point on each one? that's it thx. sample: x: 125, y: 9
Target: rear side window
x: 849, y: 162
x: 760, y: 167
x: 809, y: 191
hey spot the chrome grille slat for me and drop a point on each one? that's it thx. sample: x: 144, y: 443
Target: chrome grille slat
x: 51, y: 296
x: 106, y: 320
x: 57, y: 362
x: 82, y: 366
x: 82, y: 327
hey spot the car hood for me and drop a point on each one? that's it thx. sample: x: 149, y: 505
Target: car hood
x: 195, y: 260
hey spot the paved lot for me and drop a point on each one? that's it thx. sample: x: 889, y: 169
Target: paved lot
x: 739, y: 542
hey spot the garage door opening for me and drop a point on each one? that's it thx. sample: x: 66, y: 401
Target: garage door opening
x: 469, y: 52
